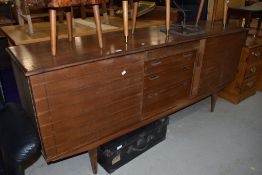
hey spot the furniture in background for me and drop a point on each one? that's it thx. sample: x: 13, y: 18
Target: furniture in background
x: 136, y: 83
x: 245, y: 82
x: 248, y: 13
x: 259, y: 79
x: 7, y: 13
x: 19, y: 140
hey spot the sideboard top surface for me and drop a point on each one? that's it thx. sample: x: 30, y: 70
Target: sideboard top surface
x: 36, y: 58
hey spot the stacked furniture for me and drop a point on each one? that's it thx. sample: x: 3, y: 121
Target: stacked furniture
x: 245, y: 82
x: 85, y: 96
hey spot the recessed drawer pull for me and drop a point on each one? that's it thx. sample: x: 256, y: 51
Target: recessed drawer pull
x: 250, y: 84
x: 186, y: 68
x: 187, y: 55
x: 154, y: 77
x: 256, y: 54
x: 253, y: 69
x: 123, y: 72
x: 156, y: 63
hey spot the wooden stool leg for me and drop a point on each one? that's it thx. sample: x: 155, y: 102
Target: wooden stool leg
x: 225, y: 12
x: 52, y: 18
x: 135, y: 6
x: 105, y: 15
x: 167, y: 17
x: 69, y: 25
x: 98, y: 25
x: 199, y: 13
x: 93, y: 159
x: 125, y: 18
x: 213, y: 102
x: 214, y: 14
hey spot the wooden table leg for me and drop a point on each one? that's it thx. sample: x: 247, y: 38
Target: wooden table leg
x: 69, y: 25
x: 98, y: 24
x: 93, y: 159
x: 52, y: 18
x: 213, y: 101
x: 214, y: 13
x: 105, y: 15
x: 125, y: 18
x: 167, y: 17
x: 135, y: 6
x: 225, y: 12
x: 199, y: 13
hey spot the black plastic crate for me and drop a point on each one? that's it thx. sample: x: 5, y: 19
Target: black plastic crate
x: 118, y: 152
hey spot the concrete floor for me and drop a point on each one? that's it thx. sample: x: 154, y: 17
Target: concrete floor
x: 226, y: 142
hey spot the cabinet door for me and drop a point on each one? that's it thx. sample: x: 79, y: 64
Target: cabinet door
x: 79, y: 105
x: 220, y: 62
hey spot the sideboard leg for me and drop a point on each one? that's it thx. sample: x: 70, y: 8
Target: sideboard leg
x: 125, y: 18
x: 135, y: 6
x: 69, y: 25
x: 93, y: 159
x: 213, y: 102
x: 52, y: 17
x: 98, y: 24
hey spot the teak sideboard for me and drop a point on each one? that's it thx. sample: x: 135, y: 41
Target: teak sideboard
x: 86, y: 96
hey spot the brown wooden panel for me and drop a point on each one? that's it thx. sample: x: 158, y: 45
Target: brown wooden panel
x: 251, y: 70
x: 169, y: 62
x: 167, y: 78
x: 163, y: 99
x: 255, y: 55
x: 248, y: 84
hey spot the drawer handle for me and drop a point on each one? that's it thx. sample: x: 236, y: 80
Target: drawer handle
x: 253, y: 69
x: 123, y: 72
x: 250, y: 84
x: 185, y: 68
x: 256, y: 54
x: 187, y: 55
x: 154, y: 77
x: 156, y: 63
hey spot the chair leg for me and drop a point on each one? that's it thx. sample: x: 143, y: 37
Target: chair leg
x: 214, y: 11
x: 225, y: 12
x: 125, y: 18
x: 105, y: 15
x: 167, y: 17
x: 69, y: 25
x: 30, y: 24
x: 98, y: 25
x: 93, y: 159
x: 135, y: 6
x: 199, y: 13
x: 213, y: 102
x: 52, y: 18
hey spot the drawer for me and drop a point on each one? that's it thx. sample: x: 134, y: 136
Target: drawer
x: 169, y: 62
x: 248, y: 84
x: 167, y: 78
x: 255, y: 55
x: 171, y: 50
x: 163, y: 99
x: 251, y: 70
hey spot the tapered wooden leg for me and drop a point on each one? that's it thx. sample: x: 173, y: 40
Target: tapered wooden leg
x: 105, y: 15
x: 30, y: 24
x: 214, y: 11
x: 93, y: 159
x: 167, y: 17
x: 199, y: 13
x: 213, y: 102
x: 125, y: 18
x: 52, y: 18
x: 135, y: 6
x: 225, y: 12
x: 69, y: 25
x: 98, y: 24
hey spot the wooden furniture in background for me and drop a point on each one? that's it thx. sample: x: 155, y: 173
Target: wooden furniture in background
x: 244, y: 84
x: 134, y: 83
x: 259, y: 79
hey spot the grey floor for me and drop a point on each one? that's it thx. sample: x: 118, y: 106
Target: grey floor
x: 226, y: 142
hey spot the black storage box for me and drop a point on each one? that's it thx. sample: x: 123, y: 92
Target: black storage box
x: 118, y: 152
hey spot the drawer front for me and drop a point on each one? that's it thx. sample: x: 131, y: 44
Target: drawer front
x: 164, y: 99
x: 251, y: 71
x: 163, y: 79
x: 169, y: 62
x: 255, y: 55
x: 91, y: 103
x: 248, y: 85
x: 171, y: 50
